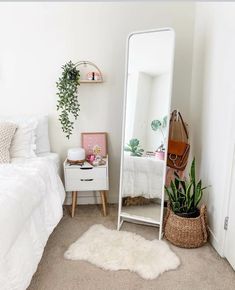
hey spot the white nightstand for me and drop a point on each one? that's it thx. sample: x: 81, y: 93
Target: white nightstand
x: 86, y: 178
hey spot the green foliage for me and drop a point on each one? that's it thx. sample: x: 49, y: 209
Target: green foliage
x: 185, y: 195
x: 133, y: 147
x: 67, y: 94
x: 156, y: 125
x: 164, y: 122
x: 160, y: 125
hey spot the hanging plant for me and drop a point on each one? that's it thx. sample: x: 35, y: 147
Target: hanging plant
x: 67, y: 94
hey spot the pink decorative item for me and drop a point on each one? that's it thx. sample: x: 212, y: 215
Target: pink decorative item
x: 90, y: 158
x: 160, y: 155
x: 93, y: 76
x: 95, y: 141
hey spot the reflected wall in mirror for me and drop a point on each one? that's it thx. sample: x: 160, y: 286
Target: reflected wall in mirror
x: 145, y: 130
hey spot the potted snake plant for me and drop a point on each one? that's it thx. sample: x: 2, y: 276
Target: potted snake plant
x: 185, y: 223
x: 185, y: 194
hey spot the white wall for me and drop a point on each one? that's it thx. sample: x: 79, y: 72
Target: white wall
x: 137, y: 107
x: 212, y: 107
x: 158, y: 108
x: 37, y: 38
x: 148, y: 99
x: 132, y: 86
x: 142, y: 108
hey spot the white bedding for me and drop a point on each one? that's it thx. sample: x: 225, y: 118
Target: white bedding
x: 54, y: 157
x: 51, y: 156
x: 31, y: 198
x: 142, y: 176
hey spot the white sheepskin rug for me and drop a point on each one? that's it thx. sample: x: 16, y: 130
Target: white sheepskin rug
x: 120, y: 250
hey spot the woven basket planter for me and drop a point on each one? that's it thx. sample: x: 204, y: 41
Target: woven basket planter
x: 186, y: 232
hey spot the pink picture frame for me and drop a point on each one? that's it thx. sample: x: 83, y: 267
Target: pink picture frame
x: 92, y: 139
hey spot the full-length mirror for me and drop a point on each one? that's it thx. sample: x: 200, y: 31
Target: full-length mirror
x: 145, y: 129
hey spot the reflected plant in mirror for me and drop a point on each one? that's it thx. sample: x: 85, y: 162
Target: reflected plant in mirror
x: 134, y: 148
x: 160, y: 125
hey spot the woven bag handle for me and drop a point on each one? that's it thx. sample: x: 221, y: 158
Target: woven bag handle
x: 203, y: 217
x: 174, y: 117
x: 182, y: 121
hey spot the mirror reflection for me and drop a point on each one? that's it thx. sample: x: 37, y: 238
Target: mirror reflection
x: 148, y: 90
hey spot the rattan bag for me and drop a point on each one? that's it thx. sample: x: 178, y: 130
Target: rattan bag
x: 178, y: 143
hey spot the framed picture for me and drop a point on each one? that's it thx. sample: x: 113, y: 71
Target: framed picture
x: 95, y: 141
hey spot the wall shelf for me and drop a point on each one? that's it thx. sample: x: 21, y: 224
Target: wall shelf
x: 95, y: 69
x: 90, y: 81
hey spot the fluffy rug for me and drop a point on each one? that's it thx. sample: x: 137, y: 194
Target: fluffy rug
x: 120, y: 250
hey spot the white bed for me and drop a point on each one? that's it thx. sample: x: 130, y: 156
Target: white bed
x: 31, y: 198
x: 142, y: 176
x: 54, y: 157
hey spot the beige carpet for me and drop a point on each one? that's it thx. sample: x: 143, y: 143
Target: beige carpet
x: 200, y: 268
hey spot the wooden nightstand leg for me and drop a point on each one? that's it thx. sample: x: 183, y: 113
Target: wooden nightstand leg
x: 103, y: 199
x: 74, y: 202
x: 106, y: 200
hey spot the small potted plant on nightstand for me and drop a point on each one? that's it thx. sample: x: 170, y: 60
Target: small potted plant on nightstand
x: 185, y: 224
x: 160, y: 125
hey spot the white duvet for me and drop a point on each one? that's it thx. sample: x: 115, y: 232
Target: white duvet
x: 142, y: 176
x: 31, y: 198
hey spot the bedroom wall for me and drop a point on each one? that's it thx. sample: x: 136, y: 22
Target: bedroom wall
x: 131, y: 105
x: 144, y: 86
x: 158, y: 108
x: 37, y: 38
x: 213, y: 107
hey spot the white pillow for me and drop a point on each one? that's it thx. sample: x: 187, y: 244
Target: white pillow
x: 23, y: 143
x: 7, y: 131
x: 42, y: 136
x: 40, y: 140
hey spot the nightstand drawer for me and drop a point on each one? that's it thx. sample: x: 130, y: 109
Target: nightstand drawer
x: 94, y: 172
x: 86, y: 185
x: 86, y: 179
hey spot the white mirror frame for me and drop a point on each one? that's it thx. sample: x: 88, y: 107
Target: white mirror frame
x: 142, y: 220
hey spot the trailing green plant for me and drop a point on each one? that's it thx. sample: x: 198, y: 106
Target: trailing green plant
x: 67, y: 94
x: 185, y: 194
x: 133, y: 147
x: 160, y: 125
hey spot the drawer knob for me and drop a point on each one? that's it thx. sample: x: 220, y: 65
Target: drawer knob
x: 86, y: 179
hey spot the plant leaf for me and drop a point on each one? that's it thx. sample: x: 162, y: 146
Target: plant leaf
x: 67, y: 102
x: 156, y: 125
x: 164, y: 122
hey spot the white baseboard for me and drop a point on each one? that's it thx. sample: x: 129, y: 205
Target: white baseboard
x: 215, y: 243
